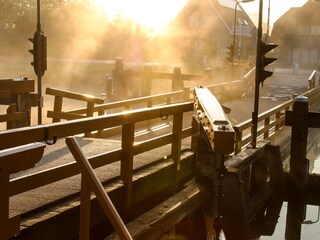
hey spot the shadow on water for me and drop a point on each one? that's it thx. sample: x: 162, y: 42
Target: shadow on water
x: 291, y: 219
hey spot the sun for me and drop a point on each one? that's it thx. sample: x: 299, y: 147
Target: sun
x: 152, y: 14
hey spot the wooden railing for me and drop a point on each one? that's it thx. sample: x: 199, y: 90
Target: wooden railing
x: 223, y: 91
x: 272, y: 120
x: 90, y: 182
x: 10, y: 138
x: 12, y: 117
x: 45, y: 133
x: 19, y: 96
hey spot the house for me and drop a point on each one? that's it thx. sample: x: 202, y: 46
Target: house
x: 297, y: 33
x: 203, y: 32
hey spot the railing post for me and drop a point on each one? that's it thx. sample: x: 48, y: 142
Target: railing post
x: 238, y: 140
x: 12, y: 110
x: 278, y: 115
x: 177, y: 82
x: 89, y: 113
x: 266, y: 124
x: 176, y: 142
x: 109, y: 90
x: 57, y: 107
x: 146, y: 81
x: 298, y: 162
x: 208, y: 76
x: 299, y: 167
x: 12, y: 161
x: 85, y: 209
x: 127, y: 161
x: 119, y: 90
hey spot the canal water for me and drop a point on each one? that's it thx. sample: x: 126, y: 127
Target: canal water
x: 310, y: 229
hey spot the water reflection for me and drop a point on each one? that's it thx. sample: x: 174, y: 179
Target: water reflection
x: 305, y: 225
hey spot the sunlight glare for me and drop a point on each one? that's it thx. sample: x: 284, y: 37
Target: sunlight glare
x: 151, y: 14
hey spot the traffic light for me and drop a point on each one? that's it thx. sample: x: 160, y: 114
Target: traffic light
x: 39, y: 53
x: 265, y: 49
x: 230, y: 53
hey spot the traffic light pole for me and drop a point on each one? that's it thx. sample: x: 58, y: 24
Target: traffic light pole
x: 39, y: 74
x: 258, y: 76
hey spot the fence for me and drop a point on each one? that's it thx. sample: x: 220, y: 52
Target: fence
x: 47, y: 133
x: 272, y: 120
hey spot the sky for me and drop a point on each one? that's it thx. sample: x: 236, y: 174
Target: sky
x: 277, y: 8
x: 155, y: 14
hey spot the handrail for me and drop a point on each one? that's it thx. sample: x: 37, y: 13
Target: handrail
x: 312, y: 79
x: 90, y: 181
x: 269, y: 125
x: 184, y: 95
x: 17, y: 137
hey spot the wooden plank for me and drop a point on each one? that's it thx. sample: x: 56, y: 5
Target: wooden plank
x: 72, y: 95
x: 235, y: 216
x: 32, y: 181
x: 21, y: 158
x: 11, y: 138
x: 5, y: 94
x: 12, y: 117
x: 163, y: 217
x: 17, y: 86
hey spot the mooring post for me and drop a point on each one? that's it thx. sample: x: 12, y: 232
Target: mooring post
x: 299, y: 137
x: 299, y: 168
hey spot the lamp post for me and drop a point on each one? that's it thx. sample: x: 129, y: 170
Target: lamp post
x: 234, y: 33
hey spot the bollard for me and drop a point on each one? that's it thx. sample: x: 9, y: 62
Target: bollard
x: 299, y: 168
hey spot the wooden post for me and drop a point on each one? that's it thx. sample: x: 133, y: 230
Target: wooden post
x: 120, y: 87
x: 12, y: 109
x: 85, y: 209
x: 176, y: 142
x: 177, y: 82
x: 299, y: 169
x: 57, y: 107
x: 208, y: 76
x: 298, y: 162
x: 235, y: 220
x: 96, y: 186
x: 126, y: 170
x: 146, y: 81
x: 12, y: 161
x: 109, y: 90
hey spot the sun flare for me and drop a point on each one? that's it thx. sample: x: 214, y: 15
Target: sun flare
x: 150, y: 14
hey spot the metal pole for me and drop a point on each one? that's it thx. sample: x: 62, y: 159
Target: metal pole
x: 39, y: 62
x: 257, y: 79
x: 234, y: 39
x: 268, y: 25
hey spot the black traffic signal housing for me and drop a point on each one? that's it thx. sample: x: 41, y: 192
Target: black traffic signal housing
x: 230, y: 53
x: 39, y: 53
x: 265, y: 49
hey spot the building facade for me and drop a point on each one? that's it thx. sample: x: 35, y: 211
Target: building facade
x: 204, y: 30
x: 297, y: 33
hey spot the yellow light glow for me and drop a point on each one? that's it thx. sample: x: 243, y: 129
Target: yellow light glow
x: 149, y: 13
